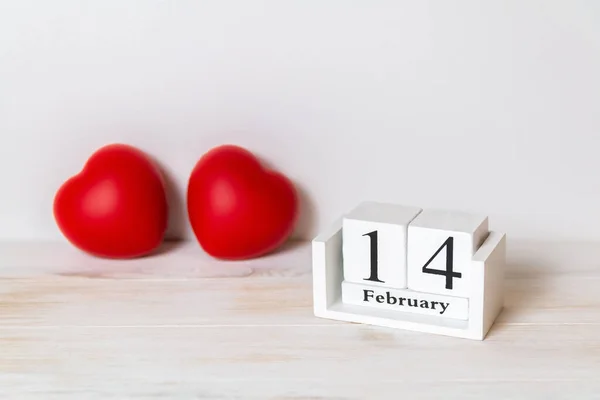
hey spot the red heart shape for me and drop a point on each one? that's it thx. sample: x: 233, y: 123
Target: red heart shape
x: 116, y: 207
x: 237, y: 208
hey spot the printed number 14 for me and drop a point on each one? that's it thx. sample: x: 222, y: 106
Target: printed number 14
x: 448, y: 272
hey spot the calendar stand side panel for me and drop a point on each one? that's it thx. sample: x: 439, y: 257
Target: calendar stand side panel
x: 328, y: 272
x: 490, y: 262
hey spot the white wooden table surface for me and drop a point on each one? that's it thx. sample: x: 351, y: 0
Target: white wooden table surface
x: 182, y: 326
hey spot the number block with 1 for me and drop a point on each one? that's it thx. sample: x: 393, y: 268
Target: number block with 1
x: 375, y: 243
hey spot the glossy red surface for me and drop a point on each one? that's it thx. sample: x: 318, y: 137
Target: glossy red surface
x: 116, y: 206
x: 237, y: 208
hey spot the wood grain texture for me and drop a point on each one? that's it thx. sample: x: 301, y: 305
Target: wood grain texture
x: 183, y: 326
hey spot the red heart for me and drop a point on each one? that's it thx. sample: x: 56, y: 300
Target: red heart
x: 116, y: 206
x: 237, y: 208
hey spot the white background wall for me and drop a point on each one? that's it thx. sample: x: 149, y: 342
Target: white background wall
x: 485, y: 106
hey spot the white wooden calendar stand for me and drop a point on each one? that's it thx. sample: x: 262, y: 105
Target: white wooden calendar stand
x: 342, y: 293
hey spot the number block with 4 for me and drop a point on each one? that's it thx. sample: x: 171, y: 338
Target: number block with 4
x: 441, y: 246
x: 435, y: 271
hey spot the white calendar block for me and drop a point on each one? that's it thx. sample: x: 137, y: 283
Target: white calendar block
x: 469, y: 315
x: 375, y: 243
x: 441, y: 245
x: 405, y: 300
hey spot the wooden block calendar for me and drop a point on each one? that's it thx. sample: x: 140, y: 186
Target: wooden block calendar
x: 427, y: 270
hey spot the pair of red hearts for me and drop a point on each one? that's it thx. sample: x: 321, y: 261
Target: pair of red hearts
x: 116, y: 207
